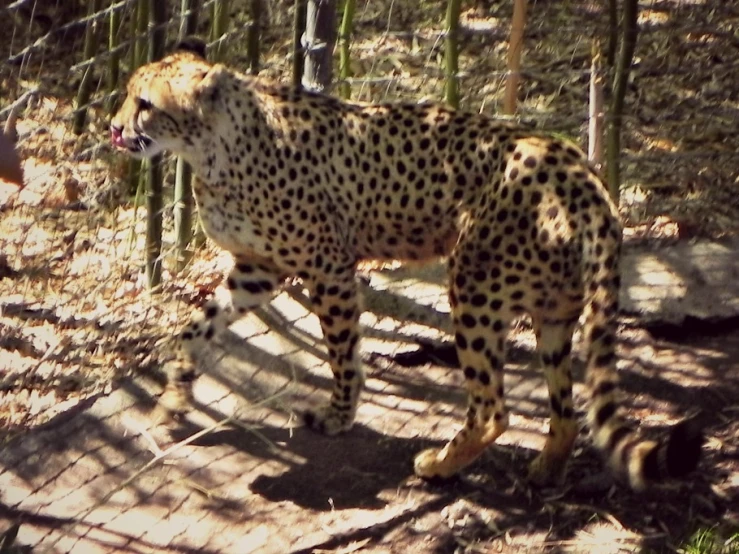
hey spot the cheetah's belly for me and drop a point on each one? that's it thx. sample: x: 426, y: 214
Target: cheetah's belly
x: 232, y: 232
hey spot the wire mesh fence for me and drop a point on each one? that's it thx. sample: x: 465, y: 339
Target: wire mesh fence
x: 72, y: 237
x: 76, y: 315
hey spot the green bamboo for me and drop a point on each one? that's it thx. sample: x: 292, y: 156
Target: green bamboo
x: 183, y: 199
x: 114, y: 61
x: 139, y: 19
x: 451, y: 56
x: 85, y: 88
x: 298, y: 51
x: 183, y: 214
x: 190, y: 10
x: 252, y: 40
x: 612, y: 32
x: 219, y: 26
x: 629, y: 33
x: 344, y: 41
x: 154, y: 191
x: 140, y: 35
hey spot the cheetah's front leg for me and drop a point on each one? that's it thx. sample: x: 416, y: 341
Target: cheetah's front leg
x: 335, y: 302
x: 250, y: 284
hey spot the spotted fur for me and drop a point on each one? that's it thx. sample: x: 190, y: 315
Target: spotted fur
x: 297, y: 184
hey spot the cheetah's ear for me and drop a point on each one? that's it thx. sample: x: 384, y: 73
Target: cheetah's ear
x: 208, y: 90
x: 194, y: 45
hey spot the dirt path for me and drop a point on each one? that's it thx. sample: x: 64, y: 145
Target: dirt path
x: 96, y: 480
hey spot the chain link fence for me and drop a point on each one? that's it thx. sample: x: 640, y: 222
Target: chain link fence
x: 71, y: 239
x: 76, y: 317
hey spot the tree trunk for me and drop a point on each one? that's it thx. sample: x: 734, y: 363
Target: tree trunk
x: 320, y: 38
x: 629, y: 32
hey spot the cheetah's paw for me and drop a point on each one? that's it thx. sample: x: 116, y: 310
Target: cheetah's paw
x: 543, y: 472
x: 328, y: 420
x: 433, y: 464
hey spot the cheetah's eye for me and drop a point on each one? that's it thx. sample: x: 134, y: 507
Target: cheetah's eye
x: 144, y: 104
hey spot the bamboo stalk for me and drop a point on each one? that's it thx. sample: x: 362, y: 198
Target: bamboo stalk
x: 114, y: 61
x: 345, y: 33
x: 190, y: 11
x: 183, y: 214
x: 154, y: 191
x: 612, y: 32
x: 219, y: 26
x: 515, y: 46
x: 137, y: 30
x: 141, y: 44
x: 183, y: 199
x: 85, y: 88
x: 451, y: 62
x: 252, y: 40
x: 298, y: 50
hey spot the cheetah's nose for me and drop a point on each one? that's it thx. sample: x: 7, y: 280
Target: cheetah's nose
x: 116, y: 136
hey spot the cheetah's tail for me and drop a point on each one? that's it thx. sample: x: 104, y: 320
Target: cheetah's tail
x: 626, y: 452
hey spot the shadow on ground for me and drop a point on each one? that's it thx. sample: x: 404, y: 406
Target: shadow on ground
x: 239, y: 474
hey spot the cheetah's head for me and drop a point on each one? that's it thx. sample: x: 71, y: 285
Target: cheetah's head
x: 167, y: 104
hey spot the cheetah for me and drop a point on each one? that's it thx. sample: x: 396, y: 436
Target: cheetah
x: 299, y: 184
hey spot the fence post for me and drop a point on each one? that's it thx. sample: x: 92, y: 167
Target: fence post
x: 320, y: 37
x: 595, y: 107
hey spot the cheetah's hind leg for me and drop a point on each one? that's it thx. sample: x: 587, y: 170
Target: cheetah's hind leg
x: 481, y: 349
x: 554, y: 344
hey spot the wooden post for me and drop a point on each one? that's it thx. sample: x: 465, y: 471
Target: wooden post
x: 515, y: 46
x: 320, y: 38
x: 595, y: 108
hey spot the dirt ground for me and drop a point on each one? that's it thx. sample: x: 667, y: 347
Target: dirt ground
x: 82, y: 470
x: 241, y: 475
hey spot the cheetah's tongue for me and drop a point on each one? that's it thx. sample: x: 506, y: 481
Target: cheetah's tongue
x: 116, y: 137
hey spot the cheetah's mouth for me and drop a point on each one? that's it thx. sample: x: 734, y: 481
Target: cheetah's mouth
x: 140, y: 145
